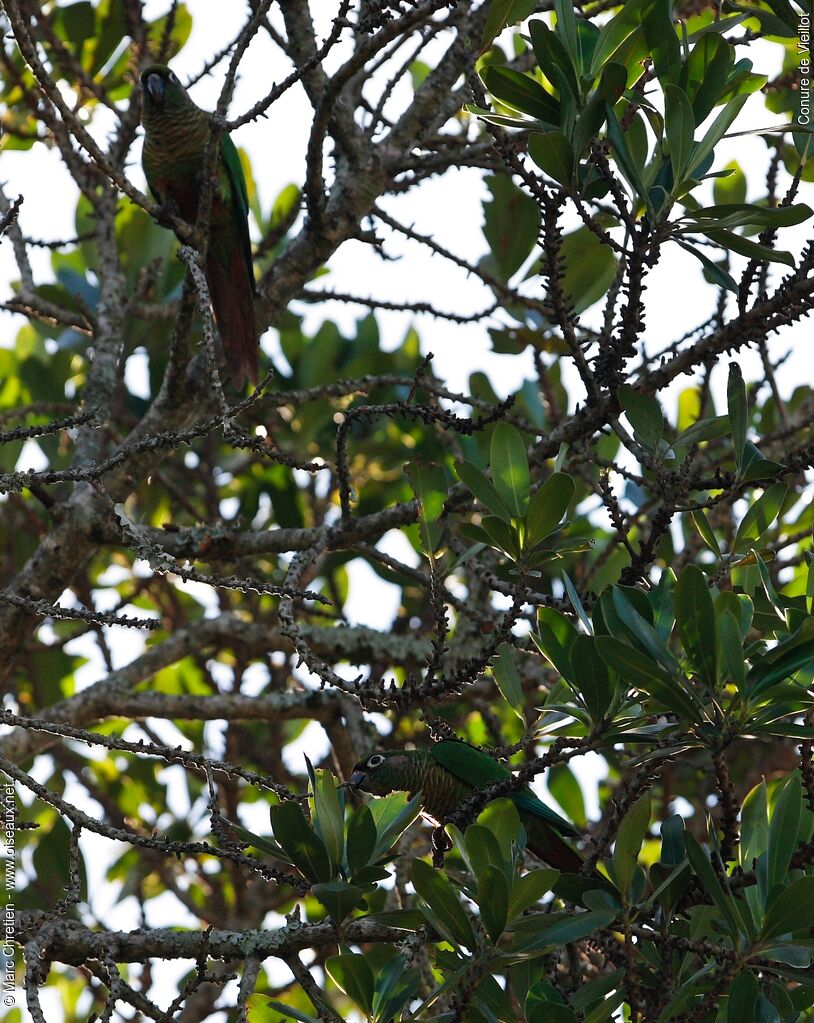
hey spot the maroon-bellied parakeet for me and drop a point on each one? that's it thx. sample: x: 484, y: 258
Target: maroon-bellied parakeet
x: 447, y: 774
x: 177, y: 134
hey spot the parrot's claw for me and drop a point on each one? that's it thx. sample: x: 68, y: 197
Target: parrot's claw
x: 441, y: 844
x: 166, y: 214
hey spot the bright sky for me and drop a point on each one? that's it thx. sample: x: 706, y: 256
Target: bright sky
x: 449, y: 209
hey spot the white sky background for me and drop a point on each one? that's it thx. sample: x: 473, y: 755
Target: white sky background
x: 449, y: 209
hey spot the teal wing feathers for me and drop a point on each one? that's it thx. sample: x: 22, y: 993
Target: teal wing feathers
x: 240, y: 198
x: 468, y: 763
x: 231, y: 161
x: 478, y: 769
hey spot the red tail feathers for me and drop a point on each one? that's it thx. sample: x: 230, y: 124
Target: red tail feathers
x: 232, y: 292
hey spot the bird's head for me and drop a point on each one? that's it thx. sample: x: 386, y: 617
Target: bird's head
x: 380, y: 773
x: 162, y: 90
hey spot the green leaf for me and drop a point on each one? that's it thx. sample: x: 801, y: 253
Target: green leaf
x: 744, y: 214
x: 481, y: 487
x: 623, y: 156
x: 75, y: 23
x: 745, y: 247
x: 615, y: 32
x: 759, y: 516
x: 590, y: 268
x: 502, y: 119
x: 510, y: 468
x: 504, y: 671
x: 395, y: 987
x: 668, y: 883
x: 107, y: 36
x: 786, y: 13
x: 637, y: 669
x: 403, y: 919
x: 264, y: 844
x: 547, y: 930
x: 352, y: 974
x: 296, y: 836
x: 743, y: 995
x: 732, y: 188
x: 709, y: 879
x: 361, y: 840
x: 695, y: 616
x: 660, y: 33
x: 179, y: 23
x: 703, y: 149
x: 496, y: 20
x: 258, y: 1012
x: 702, y: 524
x: 530, y: 888
x: 576, y: 603
x: 716, y: 274
x: 679, y: 124
x: 754, y: 825
x: 557, y: 635
x: 501, y: 817
x: 732, y: 658
x: 635, y: 625
x: 792, y: 910
x: 511, y: 222
x: 610, y: 88
x: 757, y: 468
x: 392, y: 816
x: 554, y: 155
x: 430, y: 488
x: 707, y: 70
x: 547, y: 507
x: 443, y: 901
x: 480, y: 849
x: 493, y: 901
x: 564, y: 787
x: 328, y: 814
x: 783, y: 661
x: 338, y: 898
x: 606, y: 1009
x: 644, y: 415
x: 629, y: 841
x: 549, y: 1012
x: 521, y: 92
x: 553, y: 57
x: 368, y: 876
x: 783, y: 830
x: 504, y: 538
x: 566, y: 28
x: 704, y: 429
x: 588, y: 674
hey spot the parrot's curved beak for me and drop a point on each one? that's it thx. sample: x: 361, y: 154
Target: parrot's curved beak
x: 154, y: 84
x: 356, y: 781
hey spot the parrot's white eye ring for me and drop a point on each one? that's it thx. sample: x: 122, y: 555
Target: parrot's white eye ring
x: 172, y: 77
x: 375, y: 760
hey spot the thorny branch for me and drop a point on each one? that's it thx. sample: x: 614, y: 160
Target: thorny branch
x: 227, y: 524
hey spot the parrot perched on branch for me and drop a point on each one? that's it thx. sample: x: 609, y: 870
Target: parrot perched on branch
x: 447, y: 774
x: 177, y: 135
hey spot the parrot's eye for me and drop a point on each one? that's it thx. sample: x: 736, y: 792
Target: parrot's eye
x: 375, y: 760
x: 172, y: 77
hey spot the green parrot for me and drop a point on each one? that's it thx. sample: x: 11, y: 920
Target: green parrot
x: 447, y: 774
x: 177, y: 134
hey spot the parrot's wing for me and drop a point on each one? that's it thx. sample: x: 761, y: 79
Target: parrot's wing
x: 468, y: 763
x: 231, y: 161
x: 478, y: 769
x: 240, y: 197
